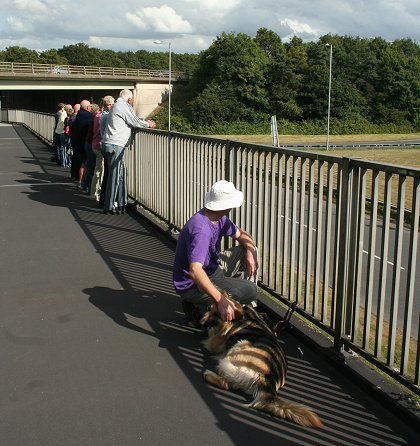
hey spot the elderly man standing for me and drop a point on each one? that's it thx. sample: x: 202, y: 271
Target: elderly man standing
x: 121, y: 120
x: 201, y: 272
x: 79, y: 130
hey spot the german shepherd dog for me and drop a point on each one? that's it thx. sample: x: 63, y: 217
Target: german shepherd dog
x: 252, y: 360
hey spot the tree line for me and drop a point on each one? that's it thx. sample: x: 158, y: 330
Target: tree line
x: 239, y: 82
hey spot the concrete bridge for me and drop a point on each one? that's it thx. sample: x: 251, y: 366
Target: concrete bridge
x: 93, y: 346
x: 41, y: 86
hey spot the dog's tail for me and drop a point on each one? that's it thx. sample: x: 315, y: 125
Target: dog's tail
x: 280, y: 408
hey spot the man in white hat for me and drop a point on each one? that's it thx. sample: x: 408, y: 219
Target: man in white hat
x: 200, y: 270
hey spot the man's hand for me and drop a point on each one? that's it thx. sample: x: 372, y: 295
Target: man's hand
x: 203, y: 282
x: 226, y: 309
x: 251, y: 262
x: 152, y: 124
x: 251, y: 258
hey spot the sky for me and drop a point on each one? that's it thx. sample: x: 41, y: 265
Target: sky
x: 191, y: 26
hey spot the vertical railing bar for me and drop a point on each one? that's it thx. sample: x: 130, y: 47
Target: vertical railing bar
x: 192, y: 164
x: 272, y: 231
x: 254, y: 186
x: 286, y: 246
x: 259, y: 210
x: 214, y: 162
x: 198, y: 174
x: 188, y: 189
x: 156, y: 164
x: 243, y: 208
x: 205, y: 166
x: 279, y: 259
x: 154, y: 170
x: 308, y: 268
x: 411, y: 275
x: 355, y: 248
x: 327, y: 244
x: 383, y: 265
x: 396, y: 274
x: 249, y: 191
x: 371, y: 261
x: 178, y: 181
x: 359, y: 242
x: 303, y: 167
x: 345, y: 197
x: 318, y: 228
x: 292, y: 267
x: 266, y: 206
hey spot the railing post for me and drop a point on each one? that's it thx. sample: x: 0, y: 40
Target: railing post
x: 228, y: 162
x: 343, y: 241
x: 170, y: 180
x: 353, y: 247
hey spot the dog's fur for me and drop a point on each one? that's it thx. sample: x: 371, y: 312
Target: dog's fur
x: 252, y: 360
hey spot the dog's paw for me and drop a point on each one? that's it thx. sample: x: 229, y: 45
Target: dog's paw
x: 215, y: 380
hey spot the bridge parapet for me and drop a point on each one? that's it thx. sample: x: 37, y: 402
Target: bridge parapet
x: 52, y: 70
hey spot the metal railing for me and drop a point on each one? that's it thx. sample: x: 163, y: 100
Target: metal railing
x: 337, y: 235
x: 55, y: 70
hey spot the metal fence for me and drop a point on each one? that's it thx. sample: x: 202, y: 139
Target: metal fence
x: 54, y: 70
x: 337, y: 235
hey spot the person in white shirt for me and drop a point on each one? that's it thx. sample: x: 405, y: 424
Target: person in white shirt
x: 120, y: 121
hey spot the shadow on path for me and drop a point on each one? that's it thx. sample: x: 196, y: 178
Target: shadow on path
x: 141, y: 260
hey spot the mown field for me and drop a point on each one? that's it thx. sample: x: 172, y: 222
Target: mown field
x: 397, y: 155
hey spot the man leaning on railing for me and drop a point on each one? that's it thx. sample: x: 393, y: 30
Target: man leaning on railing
x: 121, y: 120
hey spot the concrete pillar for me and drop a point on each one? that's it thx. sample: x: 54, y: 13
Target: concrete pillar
x: 147, y: 97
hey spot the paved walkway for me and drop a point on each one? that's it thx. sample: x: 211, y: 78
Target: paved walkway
x: 92, y: 346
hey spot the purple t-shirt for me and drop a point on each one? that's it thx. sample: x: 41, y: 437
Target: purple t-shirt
x: 199, y: 241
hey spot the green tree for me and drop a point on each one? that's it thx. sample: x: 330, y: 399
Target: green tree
x: 19, y: 54
x: 81, y: 54
x: 52, y: 57
x: 232, y: 68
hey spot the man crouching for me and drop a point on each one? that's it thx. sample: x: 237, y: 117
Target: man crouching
x: 201, y: 272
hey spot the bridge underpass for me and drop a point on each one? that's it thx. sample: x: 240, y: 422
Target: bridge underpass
x: 94, y: 350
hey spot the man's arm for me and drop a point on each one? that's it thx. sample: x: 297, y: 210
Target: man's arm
x: 203, y: 282
x: 135, y: 122
x: 251, y: 261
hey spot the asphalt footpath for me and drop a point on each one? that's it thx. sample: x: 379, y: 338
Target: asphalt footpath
x: 93, y: 349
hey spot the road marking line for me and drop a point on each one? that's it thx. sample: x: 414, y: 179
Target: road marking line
x: 364, y: 251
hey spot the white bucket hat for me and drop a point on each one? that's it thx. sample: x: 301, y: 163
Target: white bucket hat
x: 223, y: 195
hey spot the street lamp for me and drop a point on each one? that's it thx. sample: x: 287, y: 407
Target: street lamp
x: 159, y: 42
x: 329, y: 96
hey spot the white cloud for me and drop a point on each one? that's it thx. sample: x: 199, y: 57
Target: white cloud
x: 192, y: 25
x: 17, y: 25
x: 35, y: 7
x: 214, y: 8
x: 298, y: 28
x: 161, y: 19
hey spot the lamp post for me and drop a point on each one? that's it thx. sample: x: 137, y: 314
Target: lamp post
x: 329, y: 96
x: 160, y: 42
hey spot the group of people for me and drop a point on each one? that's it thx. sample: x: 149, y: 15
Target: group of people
x: 90, y: 139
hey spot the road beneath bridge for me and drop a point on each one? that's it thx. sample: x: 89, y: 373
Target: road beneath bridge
x: 93, y: 348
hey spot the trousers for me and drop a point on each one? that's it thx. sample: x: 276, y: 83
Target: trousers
x: 229, y: 277
x: 115, y: 185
